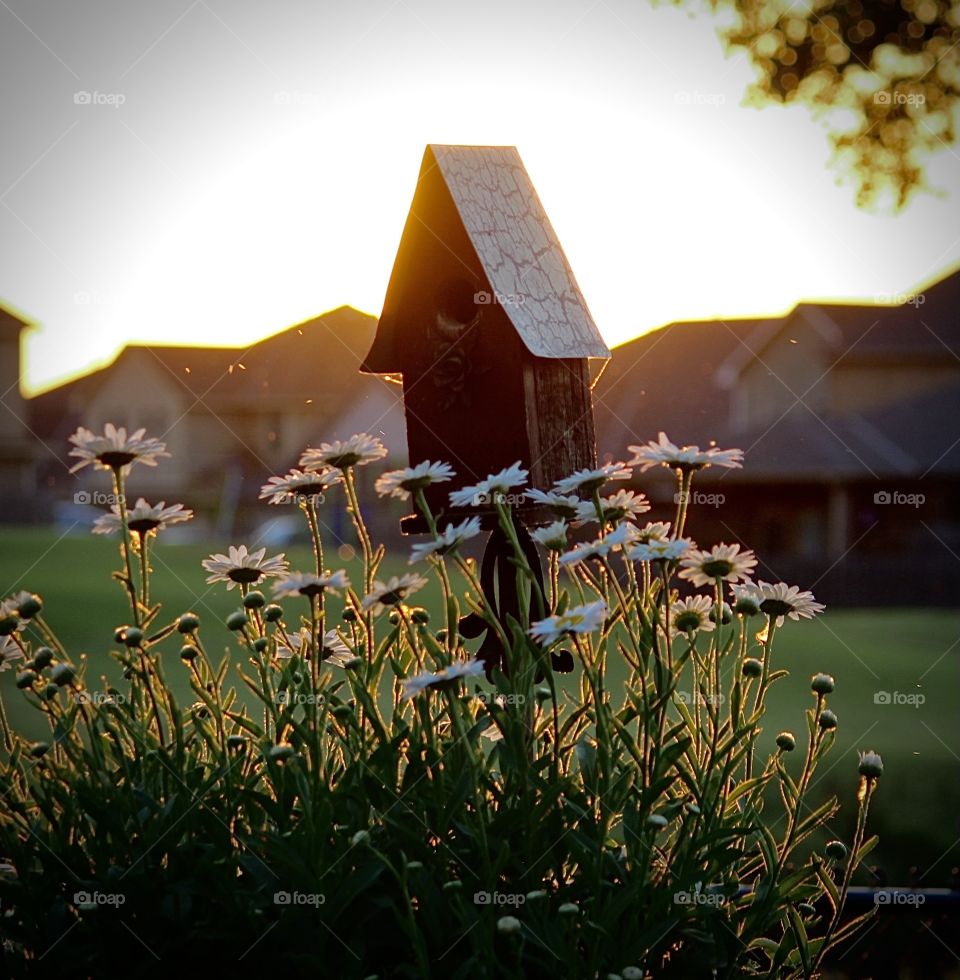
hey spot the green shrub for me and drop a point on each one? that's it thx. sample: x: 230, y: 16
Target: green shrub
x: 397, y: 807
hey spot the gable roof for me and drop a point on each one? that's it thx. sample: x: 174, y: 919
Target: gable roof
x: 925, y: 327
x: 667, y: 379
x: 518, y: 250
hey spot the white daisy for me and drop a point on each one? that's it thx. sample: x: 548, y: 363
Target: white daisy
x: 577, y: 619
x: 723, y: 561
x: 448, y: 540
x: 334, y: 652
x: 401, y: 483
x: 356, y: 451
x: 10, y: 653
x: 392, y: 592
x: 659, y: 549
x: 142, y: 518
x: 553, y: 537
x: 114, y: 449
x: 444, y: 678
x: 781, y: 600
x: 486, y: 491
x: 617, y: 506
x: 690, y: 615
x: 298, y: 485
x: 564, y: 506
x: 687, y: 459
x: 586, y: 481
x: 654, y: 531
x: 618, y: 538
x: 308, y: 584
x: 242, y: 567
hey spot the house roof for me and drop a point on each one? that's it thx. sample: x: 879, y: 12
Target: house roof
x: 517, y: 248
x: 924, y: 327
x: 666, y: 379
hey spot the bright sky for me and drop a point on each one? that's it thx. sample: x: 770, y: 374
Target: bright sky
x: 264, y: 156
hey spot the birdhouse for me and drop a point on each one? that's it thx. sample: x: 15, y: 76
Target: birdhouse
x: 487, y: 327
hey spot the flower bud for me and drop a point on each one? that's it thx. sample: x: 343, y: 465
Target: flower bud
x: 254, y: 600
x: 827, y: 720
x: 30, y: 606
x: 188, y: 623
x: 188, y: 652
x: 260, y: 644
x: 822, y: 684
x: 394, y: 617
x: 133, y: 636
x: 414, y: 865
x: 452, y: 886
x: 836, y: 849
x: 25, y: 679
x: 273, y: 613
x: 43, y: 657
x: 349, y: 615
x: 631, y: 973
x: 806, y: 908
x: 871, y: 765
x: 236, y: 742
x: 62, y: 674
x: 543, y: 694
x: 360, y: 837
x: 9, y: 624
x: 568, y: 908
x: 420, y: 616
x: 536, y: 895
x: 657, y: 820
x: 752, y: 667
x: 726, y: 614
x: 237, y: 620
x: 786, y: 742
x: 39, y: 749
x: 281, y: 753
x: 119, y: 633
x: 508, y: 924
x: 746, y: 606
x: 50, y: 692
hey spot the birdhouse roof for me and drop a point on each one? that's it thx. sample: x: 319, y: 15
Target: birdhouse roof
x: 518, y: 250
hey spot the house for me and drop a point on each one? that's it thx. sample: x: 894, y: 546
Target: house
x: 17, y: 456
x: 847, y: 417
x: 230, y: 417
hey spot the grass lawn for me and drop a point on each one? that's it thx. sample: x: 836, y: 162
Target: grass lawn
x: 899, y: 651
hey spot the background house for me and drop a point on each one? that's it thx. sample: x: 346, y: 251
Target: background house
x: 17, y: 456
x: 231, y: 417
x: 848, y: 419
